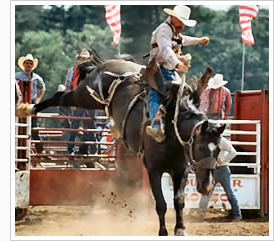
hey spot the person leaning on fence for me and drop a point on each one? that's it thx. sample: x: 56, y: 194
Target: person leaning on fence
x: 166, y: 44
x: 222, y: 175
x: 101, y: 124
x: 32, y: 87
x: 216, y: 99
x: 64, y: 111
x: 71, y: 83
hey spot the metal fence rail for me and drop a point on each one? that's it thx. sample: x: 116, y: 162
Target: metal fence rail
x: 56, y: 149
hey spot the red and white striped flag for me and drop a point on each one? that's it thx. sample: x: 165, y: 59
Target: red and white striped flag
x: 113, y: 18
x: 247, y: 13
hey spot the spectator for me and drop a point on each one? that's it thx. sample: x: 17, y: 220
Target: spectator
x: 100, y: 125
x: 87, y: 136
x: 222, y: 175
x: 216, y: 100
x: 216, y: 104
x: 71, y: 83
x: 32, y: 87
x: 166, y: 44
x: 73, y: 73
x: 64, y: 111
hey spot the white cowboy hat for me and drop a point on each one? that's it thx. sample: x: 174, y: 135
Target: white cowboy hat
x: 22, y: 59
x: 61, y: 87
x: 182, y: 13
x: 83, y: 54
x: 217, y: 81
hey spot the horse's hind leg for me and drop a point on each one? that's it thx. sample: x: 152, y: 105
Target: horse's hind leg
x: 179, y: 183
x: 52, y: 101
x: 155, y: 183
x: 24, y: 109
x: 60, y: 98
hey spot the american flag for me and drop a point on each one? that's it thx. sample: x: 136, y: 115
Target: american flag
x: 247, y: 13
x: 113, y: 18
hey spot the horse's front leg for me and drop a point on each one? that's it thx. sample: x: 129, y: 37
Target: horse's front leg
x: 156, y: 187
x: 179, y: 183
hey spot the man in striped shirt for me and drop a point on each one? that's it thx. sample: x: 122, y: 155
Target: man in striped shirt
x: 216, y: 100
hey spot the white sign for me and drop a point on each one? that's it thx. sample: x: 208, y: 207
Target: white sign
x: 246, y: 189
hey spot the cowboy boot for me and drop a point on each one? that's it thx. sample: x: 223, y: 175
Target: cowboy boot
x: 157, y: 132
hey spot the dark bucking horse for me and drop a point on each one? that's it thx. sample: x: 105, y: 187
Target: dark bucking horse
x: 191, y: 141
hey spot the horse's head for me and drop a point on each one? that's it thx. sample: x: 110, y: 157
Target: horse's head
x: 205, y: 151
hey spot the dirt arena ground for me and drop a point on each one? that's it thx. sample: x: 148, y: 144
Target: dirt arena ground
x: 111, y: 216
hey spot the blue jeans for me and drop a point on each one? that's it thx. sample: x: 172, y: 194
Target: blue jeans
x: 222, y: 175
x: 88, y: 136
x: 154, y: 99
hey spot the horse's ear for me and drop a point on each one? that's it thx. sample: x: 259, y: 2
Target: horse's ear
x: 204, y: 126
x: 201, y: 128
x: 221, y: 128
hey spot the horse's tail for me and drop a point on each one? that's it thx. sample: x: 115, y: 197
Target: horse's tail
x: 88, y: 66
x: 96, y: 60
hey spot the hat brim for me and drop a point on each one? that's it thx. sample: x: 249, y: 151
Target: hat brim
x: 187, y: 22
x: 78, y: 57
x: 216, y: 86
x: 21, y: 61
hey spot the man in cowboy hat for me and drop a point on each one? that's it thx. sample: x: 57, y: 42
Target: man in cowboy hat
x: 216, y: 104
x: 73, y: 73
x: 32, y: 87
x: 216, y: 99
x: 71, y: 83
x: 166, y: 44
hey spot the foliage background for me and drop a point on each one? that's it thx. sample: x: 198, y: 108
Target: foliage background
x: 55, y: 34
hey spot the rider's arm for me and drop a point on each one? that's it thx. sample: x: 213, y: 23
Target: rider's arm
x: 163, y: 37
x: 188, y: 40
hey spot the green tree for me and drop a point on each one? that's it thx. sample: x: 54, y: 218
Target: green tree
x: 28, y: 18
x: 77, y: 26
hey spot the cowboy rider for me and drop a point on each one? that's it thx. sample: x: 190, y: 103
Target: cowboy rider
x: 166, y: 43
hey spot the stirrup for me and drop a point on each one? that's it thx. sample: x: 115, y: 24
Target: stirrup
x: 157, y: 133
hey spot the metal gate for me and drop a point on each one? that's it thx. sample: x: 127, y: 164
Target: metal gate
x: 22, y: 161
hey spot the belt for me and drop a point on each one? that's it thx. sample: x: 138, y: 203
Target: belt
x: 154, y: 45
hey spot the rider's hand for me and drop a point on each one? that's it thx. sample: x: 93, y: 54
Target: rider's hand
x: 185, y: 58
x: 182, y: 67
x: 204, y: 40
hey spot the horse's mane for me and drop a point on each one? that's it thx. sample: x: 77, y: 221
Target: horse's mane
x: 126, y: 57
x: 97, y: 61
x: 189, y: 104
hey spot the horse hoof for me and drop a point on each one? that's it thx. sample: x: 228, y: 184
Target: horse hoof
x: 180, y: 232
x: 163, y: 232
x: 24, y: 110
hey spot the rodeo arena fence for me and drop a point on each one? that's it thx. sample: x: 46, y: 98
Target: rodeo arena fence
x: 49, y: 178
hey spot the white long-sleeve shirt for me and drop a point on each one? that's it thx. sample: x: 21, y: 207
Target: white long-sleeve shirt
x: 227, y: 152
x: 164, y: 54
